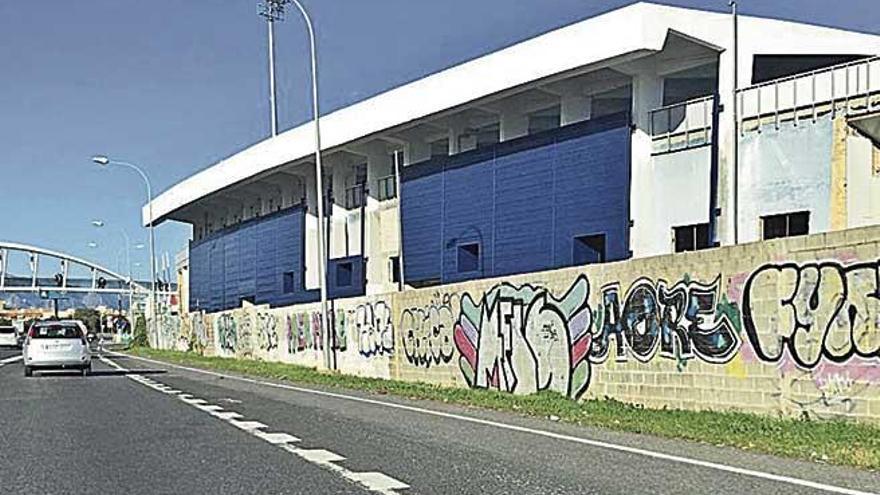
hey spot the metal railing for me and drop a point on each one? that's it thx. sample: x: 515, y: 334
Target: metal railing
x: 851, y: 88
x: 387, y: 188
x: 683, y: 125
x: 354, y: 197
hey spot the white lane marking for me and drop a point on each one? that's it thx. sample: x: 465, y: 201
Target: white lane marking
x: 247, y: 425
x: 10, y: 360
x: 373, y: 481
x: 227, y: 415
x: 380, y: 481
x: 276, y: 438
x: 376, y: 482
x: 317, y: 456
x: 210, y: 408
x: 544, y: 433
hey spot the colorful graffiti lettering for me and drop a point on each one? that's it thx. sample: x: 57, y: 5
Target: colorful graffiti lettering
x: 684, y: 321
x: 374, y: 330
x: 819, y: 310
x: 428, y: 333
x: 523, y: 340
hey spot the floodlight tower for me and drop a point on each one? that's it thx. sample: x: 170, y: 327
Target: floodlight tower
x: 272, y: 11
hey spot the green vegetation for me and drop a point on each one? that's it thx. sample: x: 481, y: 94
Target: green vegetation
x: 836, y: 442
x: 139, y: 338
x: 90, y: 317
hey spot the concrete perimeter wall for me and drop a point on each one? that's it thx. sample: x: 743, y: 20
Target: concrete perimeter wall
x: 788, y: 327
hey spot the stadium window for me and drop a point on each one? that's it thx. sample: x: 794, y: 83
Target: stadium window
x: 440, y: 147
x: 395, y: 269
x: 545, y: 120
x: 587, y: 249
x: 785, y: 225
x: 344, y: 274
x: 691, y: 237
x: 289, y: 282
x: 468, y: 257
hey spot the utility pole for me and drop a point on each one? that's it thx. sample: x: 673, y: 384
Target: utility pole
x: 272, y: 11
x: 735, y: 112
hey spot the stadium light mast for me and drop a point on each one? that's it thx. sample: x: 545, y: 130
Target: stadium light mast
x: 276, y: 8
x: 272, y: 11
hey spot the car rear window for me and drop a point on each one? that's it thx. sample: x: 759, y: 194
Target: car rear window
x: 56, y: 332
x: 7, y: 329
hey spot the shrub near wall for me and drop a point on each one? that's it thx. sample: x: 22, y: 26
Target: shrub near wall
x: 786, y: 327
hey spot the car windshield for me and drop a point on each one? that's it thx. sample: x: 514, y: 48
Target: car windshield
x: 56, y: 332
x: 7, y: 329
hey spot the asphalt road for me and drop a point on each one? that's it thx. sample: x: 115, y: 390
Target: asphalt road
x: 161, y: 429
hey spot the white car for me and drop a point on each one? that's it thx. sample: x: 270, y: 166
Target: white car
x: 8, y: 337
x: 57, y: 345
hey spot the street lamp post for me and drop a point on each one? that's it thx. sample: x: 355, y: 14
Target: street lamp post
x: 278, y: 6
x: 105, y: 161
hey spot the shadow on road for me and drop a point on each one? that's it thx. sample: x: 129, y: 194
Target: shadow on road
x: 95, y: 373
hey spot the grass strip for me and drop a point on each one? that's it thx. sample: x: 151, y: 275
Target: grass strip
x: 838, y: 442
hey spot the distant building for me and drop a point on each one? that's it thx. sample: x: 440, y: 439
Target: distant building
x: 604, y: 140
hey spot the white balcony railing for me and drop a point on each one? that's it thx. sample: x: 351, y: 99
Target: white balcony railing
x: 683, y: 125
x: 852, y: 88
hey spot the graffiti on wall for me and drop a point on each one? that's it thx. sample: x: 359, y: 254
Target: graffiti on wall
x: 524, y: 340
x: 373, y: 328
x: 226, y: 329
x: 267, y: 332
x: 683, y: 321
x: 813, y: 311
x: 428, y: 332
x: 303, y: 331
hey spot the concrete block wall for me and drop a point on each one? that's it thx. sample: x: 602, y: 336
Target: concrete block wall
x: 787, y: 327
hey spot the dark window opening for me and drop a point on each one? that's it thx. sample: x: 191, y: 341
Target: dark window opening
x: 468, y: 257
x: 690, y: 84
x: 395, y: 269
x: 691, y: 238
x: 344, y: 274
x: 440, y: 147
x: 247, y: 299
x: 770, y: 67
x: 289, y: 282
x: 545, y: 120
x: 786, y: 225
x: 587, y: 249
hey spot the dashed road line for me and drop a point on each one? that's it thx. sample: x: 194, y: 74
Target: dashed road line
x: 533, y: 431
x: 372, y: 481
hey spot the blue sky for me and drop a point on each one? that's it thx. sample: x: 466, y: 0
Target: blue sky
x: 176, y: 86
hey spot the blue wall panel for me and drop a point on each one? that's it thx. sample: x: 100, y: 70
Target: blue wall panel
x: 249, y: 261
x: 421, y: 220
x: 468, y: 194
x: 524, y: 201
x: 357, y: 286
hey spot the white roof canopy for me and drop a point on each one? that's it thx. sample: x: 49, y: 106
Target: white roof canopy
x: 638, y: 30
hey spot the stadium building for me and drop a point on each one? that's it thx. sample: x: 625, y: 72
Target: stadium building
x: 612, y: 138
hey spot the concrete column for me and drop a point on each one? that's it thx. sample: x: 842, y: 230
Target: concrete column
x: 647, y: 95
x: 724, y: 147
x: 379, y: 165
x: 514, y: 124
x: 312, y: 280
x: 575, y: 108
x: 338, y: 247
